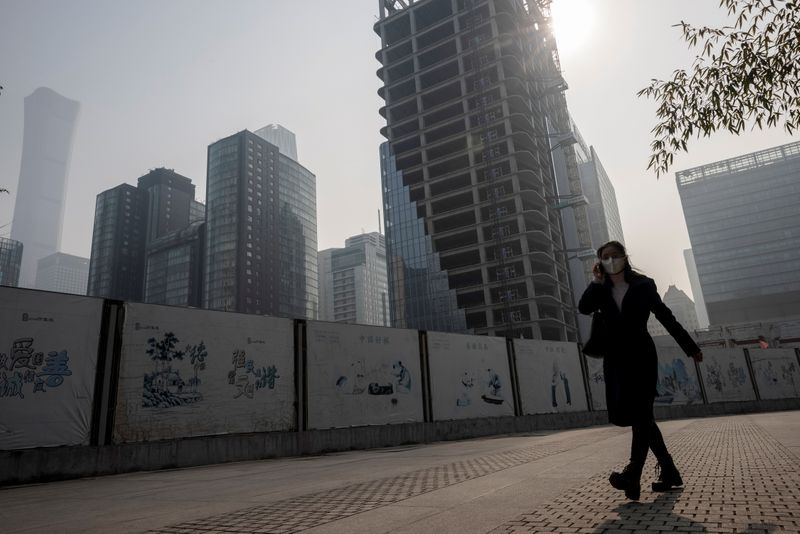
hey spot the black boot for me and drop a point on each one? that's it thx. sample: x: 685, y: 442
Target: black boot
x: 668, y: 476
x: 628, y: 481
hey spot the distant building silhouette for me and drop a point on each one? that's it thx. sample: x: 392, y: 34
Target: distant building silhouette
x: 683, y: 309
x: 697, y: 289
x: 10, y: 261
x: 603, y: 225
x: 280, y: 137
x: 63, y: 273
x: 353, y: 285
x: 743, y: 219
x: 50, y: 121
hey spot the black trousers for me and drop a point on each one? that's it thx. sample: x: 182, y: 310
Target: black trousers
x: 646, y: 435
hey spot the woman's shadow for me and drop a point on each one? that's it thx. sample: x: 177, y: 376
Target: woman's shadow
x: 661, y: 509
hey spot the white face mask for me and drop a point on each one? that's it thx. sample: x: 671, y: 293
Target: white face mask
x: 614, y: 265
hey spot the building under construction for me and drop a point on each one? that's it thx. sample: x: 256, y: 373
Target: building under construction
x: 475, y: 109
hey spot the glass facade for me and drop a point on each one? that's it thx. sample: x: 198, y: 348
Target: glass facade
x: 419, y: 295
x: 10, y: 261
x: 261, y: 243
x: 63, y: 273
x: 280, y: 137
x: 298, y: 291
x: 743, y: 218
x: 222, y: 215
x: 173, y: 275
x: 127, y: 220
x: 116, y: 267
x: 604, y: 220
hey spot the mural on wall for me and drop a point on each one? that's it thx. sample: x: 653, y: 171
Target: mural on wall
x: 469, y: 376
x: 725, y: 375
x: 597, y: 383
x: 777, y: 373
x: 362, y: 375
x: 247, y: 377
x: 677, y: 379
x: 201, y: 372
x: 164, y: 387
x: 550, y: 376
x: 48, y: 363
x: 25, y: 368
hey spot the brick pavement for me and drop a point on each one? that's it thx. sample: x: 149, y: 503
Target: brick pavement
x: 738, y: 480
x: 300, y: 513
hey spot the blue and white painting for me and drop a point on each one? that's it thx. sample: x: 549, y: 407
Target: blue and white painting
x: 362, y: 375
x: 48, y: 362
x: 164, y: 387
x: 777, y: 373
x: 188, y: 372
x: 470, y: 376
x: 677, y: 379
x: 550, y: 376
x: 725, y: 375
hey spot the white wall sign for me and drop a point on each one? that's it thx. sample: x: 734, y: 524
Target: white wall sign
x: 187, y: 372
x: 469, y: 376
x: 725, y: 375
x: 597, y: 383
x: 677, y: 379
x: 776, y: 372
x: 550, y: 377
x: 48, y: 364
x: 362, y: 375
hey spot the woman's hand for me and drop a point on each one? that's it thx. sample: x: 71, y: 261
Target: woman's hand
x: 698, y: 357
x: 597, y: 273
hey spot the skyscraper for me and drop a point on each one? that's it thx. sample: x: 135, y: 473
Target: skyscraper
x: 261, y: 235
x: 470, y: 89
x: 353, y: 286
x: 128, y: 220
x: 116, y: 266
x: 46, y: 150
x: 743, y: 219
x: 598, y: 201
x: 63, y: 273
x: 604, y: 220
x: 10, y: 261
x: 169, y: 203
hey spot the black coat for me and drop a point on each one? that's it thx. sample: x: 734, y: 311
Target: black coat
x: 631, y: 365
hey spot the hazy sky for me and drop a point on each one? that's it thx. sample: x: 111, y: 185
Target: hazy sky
x: 159, y: 81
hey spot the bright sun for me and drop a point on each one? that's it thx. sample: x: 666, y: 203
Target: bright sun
x: 573, y: 22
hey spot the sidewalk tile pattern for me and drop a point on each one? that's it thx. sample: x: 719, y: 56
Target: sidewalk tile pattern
x: 738, y: 479
x: 300, y: 513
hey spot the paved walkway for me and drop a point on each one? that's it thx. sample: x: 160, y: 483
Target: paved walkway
x: 742, y: 474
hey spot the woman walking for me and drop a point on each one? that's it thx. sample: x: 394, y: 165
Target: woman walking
x: 625, y: 299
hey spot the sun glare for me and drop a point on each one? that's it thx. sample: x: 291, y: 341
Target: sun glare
x: 573, y: 22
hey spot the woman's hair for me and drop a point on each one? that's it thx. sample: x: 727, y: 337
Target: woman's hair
x: 630, y: 272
